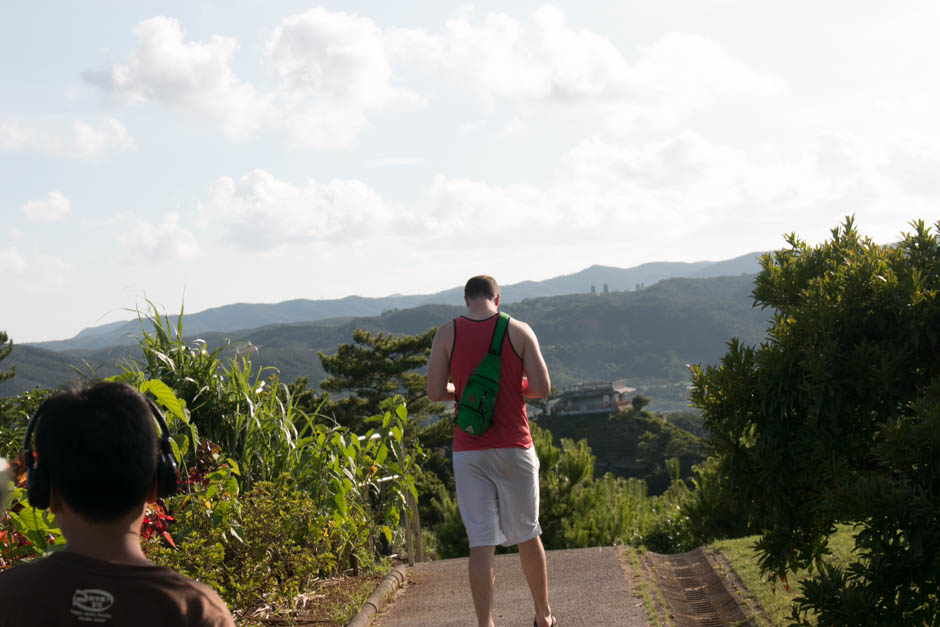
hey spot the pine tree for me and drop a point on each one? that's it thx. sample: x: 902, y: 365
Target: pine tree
x: 6, y: 345
x: 374, y: 368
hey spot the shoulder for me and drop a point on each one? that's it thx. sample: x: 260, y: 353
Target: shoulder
x: 22, y: 576
x: 24, y: 586
x: 201, y: 604
x: 447, y: 326
x: 25, y: 573
x: 520, y: 334
x: 445, y: 332
x: 520, y: 328
x: 519, y: 324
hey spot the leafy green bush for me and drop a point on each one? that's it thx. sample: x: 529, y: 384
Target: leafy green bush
x: 14, y: 414
x: 834, y: 420
x: 713, y: 509
x: 283, y: 543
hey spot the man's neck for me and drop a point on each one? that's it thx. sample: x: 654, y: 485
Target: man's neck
x: 123, y: 550
x: 114, y: 541
x: 481, y: 309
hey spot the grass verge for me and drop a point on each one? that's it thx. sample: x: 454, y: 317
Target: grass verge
x: 329, y: 603
x: 649, y: 593
x: 771, y: 595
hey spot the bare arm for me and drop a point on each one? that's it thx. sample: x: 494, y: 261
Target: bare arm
x: 439, y: 387
x: 533, y: 364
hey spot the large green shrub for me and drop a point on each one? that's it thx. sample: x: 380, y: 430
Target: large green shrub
x: 283, y: 543
x: 834, y: 420
x: 713, y: 509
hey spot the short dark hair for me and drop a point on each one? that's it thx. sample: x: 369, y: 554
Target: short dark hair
x: 481, y: 285
x: 98, y: 446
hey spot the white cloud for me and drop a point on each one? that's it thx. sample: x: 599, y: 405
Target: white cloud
x: 259, y: 211
x: 89, y: 141
x: 53, y: 209
x: 333, y: 68
x: 81, y: 141
x: 681, y: 73
x: 192, y: 76
x: 11, y: 260
x: 684, y: 193
x: 509, y: 59
x: 166, y: 240
x: 546, y: 60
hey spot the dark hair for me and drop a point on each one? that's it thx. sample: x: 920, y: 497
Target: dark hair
x: 481, y: 285
x: 98, y: 446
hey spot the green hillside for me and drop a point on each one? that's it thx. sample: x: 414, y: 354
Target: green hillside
x: 646, y: 336
x: 239, y: 316
x: 36, y: 367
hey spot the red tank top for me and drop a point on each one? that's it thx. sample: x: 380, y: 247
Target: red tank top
x: 510, y: 427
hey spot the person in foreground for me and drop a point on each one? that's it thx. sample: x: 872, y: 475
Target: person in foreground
x: 95, y: 464
x: 496, y: 472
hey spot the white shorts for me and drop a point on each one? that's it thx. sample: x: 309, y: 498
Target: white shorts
x: 498, y: 495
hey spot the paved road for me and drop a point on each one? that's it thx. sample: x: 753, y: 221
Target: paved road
x: 587, y: 587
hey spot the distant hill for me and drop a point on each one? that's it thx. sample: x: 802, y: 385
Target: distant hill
x: 241, y: 316
x: 646, y: 336
x: 37, y: 367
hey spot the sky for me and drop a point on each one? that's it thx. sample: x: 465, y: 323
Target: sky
x: 202, y: 153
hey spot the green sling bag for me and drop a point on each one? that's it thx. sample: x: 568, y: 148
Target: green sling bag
x: 475, y: 405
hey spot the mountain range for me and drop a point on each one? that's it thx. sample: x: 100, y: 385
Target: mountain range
x: 240, y: 316
x: 638, y: 323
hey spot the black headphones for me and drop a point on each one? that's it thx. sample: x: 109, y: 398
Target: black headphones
x: 37, y: 478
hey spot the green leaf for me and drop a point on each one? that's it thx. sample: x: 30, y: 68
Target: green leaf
x: 233, y: 465
x: 165, y: 397
x: 339, y: 499
x: 381, y: 455
x: 177, y: 454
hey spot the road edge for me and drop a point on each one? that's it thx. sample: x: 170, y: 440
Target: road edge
x: 379, y: 597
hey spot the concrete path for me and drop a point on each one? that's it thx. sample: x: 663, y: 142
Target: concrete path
x: 586, y: 587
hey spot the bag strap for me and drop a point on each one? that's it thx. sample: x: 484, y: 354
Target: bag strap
x: 496, y: 344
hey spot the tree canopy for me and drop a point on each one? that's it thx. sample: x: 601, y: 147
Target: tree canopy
x: 6, y: 345
x: 374, y: 368
x: 836, y: 419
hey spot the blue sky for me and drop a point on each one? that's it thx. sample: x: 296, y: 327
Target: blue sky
x: 219, y: 152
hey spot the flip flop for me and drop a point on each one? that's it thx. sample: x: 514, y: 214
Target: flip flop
x: 535, y: 623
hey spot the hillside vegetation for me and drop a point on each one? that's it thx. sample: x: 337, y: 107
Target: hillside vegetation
x: 237, y: 317
x: 646, y: 336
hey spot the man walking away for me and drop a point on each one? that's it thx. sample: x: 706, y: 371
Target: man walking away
x: 496, y: 472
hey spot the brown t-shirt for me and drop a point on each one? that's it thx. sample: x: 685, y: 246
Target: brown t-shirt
x: 70, y: 589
